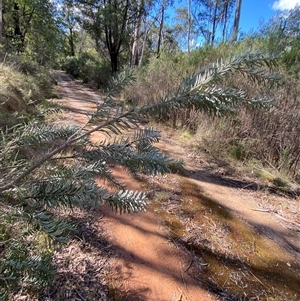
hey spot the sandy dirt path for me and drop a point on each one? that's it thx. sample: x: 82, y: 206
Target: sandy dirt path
x: 242, y: 203
x: 148, y: 267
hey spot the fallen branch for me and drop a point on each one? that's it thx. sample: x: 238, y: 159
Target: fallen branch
x: 278, y: 215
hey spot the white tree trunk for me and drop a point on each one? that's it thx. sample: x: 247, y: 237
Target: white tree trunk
x: 1, y: 22
x: 160, y: 33
x: 237, y: 17
x: 189, y: 26
x: 136, y: 42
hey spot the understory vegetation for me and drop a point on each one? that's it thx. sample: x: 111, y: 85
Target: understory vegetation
x: 237, y: 101
x: 263, y: 139
x: 48, y: 167
x: 266, y: 140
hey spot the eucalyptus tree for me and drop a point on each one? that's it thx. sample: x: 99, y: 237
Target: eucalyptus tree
x: 111, y: 25
x: 1, y: 21
x: 281, y: 37
x: 185, y: 27
x: 30, y: 26
x: 225, y: 17
x: 137, y: 33
x: 189, y: 23
x: 143, y: 23
x: 91, y: 20
x: 237, y: 16
x: 210, y: 16
x: 68, y: 17
x: 147, y: 31
x: 219, y: 15
x: 161, y: 25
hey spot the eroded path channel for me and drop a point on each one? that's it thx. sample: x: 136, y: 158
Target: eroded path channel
x: 148, y: 264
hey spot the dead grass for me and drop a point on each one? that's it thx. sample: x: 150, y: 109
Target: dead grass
x: 21, y: 92
x: 82, y: 264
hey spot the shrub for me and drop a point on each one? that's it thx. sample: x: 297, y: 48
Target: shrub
x: 23, y: 86
x: 268, y: 136
x: 49, y: 167
x: 89, y: 68
x: 272, y: 137
x: 71, y: 65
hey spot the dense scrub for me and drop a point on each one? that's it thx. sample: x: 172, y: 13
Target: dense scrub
x: 267, y: 137
x: 88, y: 67
x: 24, y: 86
x: 37, y: 178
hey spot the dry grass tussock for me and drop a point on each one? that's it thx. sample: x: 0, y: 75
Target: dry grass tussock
x: 23, y: 86
x: 17, y: 90
x: 270, y: 137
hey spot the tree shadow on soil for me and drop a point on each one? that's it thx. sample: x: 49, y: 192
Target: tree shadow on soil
x: 268, y: 277
x: 223, y: 180
x: 250, y: 280
x: 86, y: 279
x: 226, y: 178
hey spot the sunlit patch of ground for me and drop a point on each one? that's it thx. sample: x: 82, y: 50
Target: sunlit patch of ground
x: 231, y: 257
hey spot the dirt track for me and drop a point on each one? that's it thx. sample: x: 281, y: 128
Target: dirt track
x: 148, y: 266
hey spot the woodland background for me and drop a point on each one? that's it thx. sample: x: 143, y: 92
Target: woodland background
x: 94, y: 40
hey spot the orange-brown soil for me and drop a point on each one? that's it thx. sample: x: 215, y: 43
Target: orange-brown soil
x: 148, y: 263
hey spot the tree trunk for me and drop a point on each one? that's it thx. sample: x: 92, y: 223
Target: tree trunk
x: 143, y: 48
x: 214, y: 28
x: 114, y: 56
x: 135, y: 47
x: 71, y: 42
x: 1, y: 23
x: 237, y: 17
x: 136, y: 41
x: 16, y: 17
x: 225, y: 20
x: 189, y: 26
x: 115, y: 30
x: 146, y: 35
x: 163, y: 7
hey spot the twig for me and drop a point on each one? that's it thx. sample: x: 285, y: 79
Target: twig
x: 261, y: 210
x: 190, y: 264
x: 211, y: 221
x: 182, y: 278
x: 180, y: 296
x: 278, y: 215
x: 288, y: 220
x: 257, y: 278
x: 79, y: 295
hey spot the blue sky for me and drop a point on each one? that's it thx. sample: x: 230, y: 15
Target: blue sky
x: 254, y: 11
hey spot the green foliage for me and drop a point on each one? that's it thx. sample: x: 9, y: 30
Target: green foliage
x: 25, y: 265
x: 89, y: 68
x: 238, y: 151
x: 71, y: 65
x: 30, y: 28
x: 24, y: 84
x: 47, y: 167
x: 280, y: 37
x: 291, y: 56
